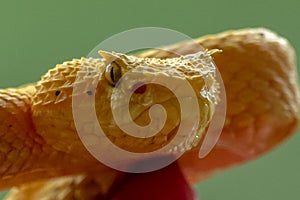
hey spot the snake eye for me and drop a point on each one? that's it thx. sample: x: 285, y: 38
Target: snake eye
x: 113, y: 73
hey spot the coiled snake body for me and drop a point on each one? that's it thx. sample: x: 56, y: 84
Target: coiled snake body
x: 38, y: 138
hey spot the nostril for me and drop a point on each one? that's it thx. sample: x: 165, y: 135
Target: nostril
x: 139, y: 88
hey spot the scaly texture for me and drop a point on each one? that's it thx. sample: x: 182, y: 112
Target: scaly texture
x: 259, y: 73
x: 24, y: 154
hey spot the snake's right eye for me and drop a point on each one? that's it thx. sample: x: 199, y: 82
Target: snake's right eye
x: 113, y: 73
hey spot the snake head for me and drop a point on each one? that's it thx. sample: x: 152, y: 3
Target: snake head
x: 151, y: 98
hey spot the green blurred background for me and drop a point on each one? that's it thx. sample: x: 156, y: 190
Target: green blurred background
x: 35, y: 35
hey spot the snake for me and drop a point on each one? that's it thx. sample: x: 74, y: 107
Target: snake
x: 42, y: 156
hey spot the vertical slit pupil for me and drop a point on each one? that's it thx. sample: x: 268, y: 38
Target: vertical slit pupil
x: 112, y: 75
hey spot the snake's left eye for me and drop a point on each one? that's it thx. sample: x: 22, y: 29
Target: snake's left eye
x: 113, y: 73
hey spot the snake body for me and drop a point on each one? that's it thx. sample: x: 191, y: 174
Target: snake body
x: 259, y: 73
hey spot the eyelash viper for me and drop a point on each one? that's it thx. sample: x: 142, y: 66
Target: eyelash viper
x: 259, y: 72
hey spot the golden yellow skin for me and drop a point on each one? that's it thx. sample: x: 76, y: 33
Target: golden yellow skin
x: 259, y: 73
